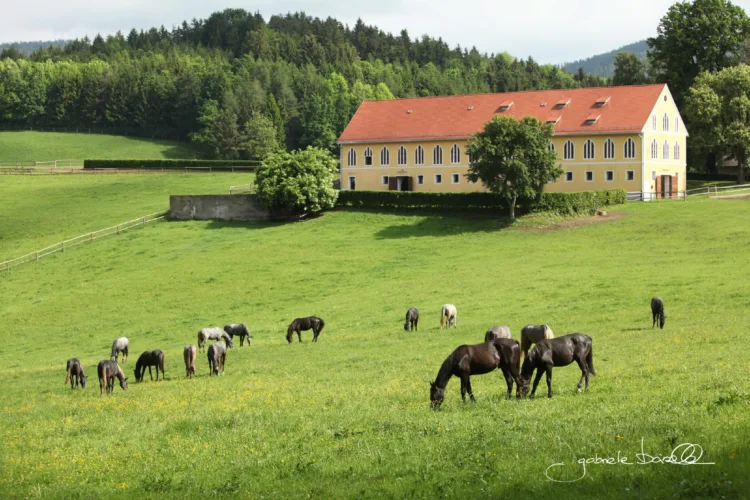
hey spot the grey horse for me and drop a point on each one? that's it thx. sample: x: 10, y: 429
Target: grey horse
x: 120, y: 345
x: 531, y: 334
x: 217, y: 356
x: 214, y: 333
x: 497, y: 332
x: 240, y: 330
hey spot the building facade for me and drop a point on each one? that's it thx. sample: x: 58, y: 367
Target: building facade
x: 605, y: 138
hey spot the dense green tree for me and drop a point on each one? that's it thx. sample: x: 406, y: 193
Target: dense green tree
x: 718, y: 105
x: 512, y: 158
x: 703, y: 35
x: 301, y: 180
x: 260, y: 137
x: 629, y: 70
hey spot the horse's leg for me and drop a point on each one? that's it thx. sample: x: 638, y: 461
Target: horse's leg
x: 539, y: 373
x: 299, y: 335
x: 468, y: 388
x: 548, y: 369
x: 584, y: 372
x: 508, y: 380
x: 464, y: 380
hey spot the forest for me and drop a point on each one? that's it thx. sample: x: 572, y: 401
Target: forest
x: 234, y: 79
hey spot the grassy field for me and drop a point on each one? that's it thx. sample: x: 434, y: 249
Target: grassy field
x: 349, y: 417
x: 48, y: 146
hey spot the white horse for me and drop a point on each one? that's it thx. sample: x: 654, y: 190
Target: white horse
x: 120, y: 345
x: 214, y: 333
x: 497, y: 332
x: 449, y: 313
x: 531, y: 334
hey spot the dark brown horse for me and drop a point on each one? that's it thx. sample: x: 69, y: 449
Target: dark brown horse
x: 560, y: 351
x: 107, y: 371
x: 468, y: 360
x: 303, y: 324
x: 75, y: 372
x: 657, y: 312
x: 147, y: 360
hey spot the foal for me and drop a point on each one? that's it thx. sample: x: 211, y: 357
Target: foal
x: 561, y: 351
x: 189, y: 354
x: 75, y: 372
x: 147, y: 360
x: 657, y: 312
x: 412, y: 319
x: 107, y: 371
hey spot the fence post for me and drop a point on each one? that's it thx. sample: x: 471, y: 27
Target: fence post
x: 91, y: 236
x: 118, y: 229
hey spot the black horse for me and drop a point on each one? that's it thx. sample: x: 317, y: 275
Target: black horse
x: 147, y: 360
x: 240, y: 330
x: 560, y: 351
x: 657, y: 312
x: 478, y: 359
x: 107, y: 371
x: 303, y: 324
x: 412, y: 319
x: 75, y: 372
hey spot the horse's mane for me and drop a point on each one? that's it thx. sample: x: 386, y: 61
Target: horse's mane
x: 446, y: 369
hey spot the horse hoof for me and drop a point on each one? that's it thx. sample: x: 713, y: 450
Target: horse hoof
x: 579, y: 390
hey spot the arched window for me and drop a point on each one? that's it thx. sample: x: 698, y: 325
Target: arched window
x: 385, y: 157
x: 653, y: 122
x: 368, y: 156
x: 551, y: 147
x: 654, y: 150
x: 629, y: 149
x: 588, y: 150
x: 665, y: 123
x: 676, y: 123
x: 351, y: 158
x: 609, y: 150
x: 569, y: 151
x: 437, y: 155
x: 455, y: 154
x: 665, y: 151
x: 676, y: 150
x: 419, y: 155
x: 402, y: 155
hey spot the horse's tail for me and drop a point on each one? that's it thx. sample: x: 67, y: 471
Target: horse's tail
x: 590, y: 361
x: 442, y: 316
x: 322, y: 324
x: 68, y: 377
x: 161, y: 362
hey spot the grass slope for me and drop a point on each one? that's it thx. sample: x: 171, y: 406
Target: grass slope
x: 48, y: 146
x: 46, y: 210
x: 349, y: 415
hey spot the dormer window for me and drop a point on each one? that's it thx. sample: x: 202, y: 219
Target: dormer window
x: 592, y: 119
x: 469, y: 108
x: 562, y: 103
x: 552, y: 120
x: 506, y: 105
x: 408, y: 111
x: 602, y: 101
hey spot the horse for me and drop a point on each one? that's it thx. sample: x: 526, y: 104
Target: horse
x: 149, y: 359
x: 657, y: 312
x: 497, y: 332
x: 189, y: 355
x: 449, y: 313
x: 241, y: 330
x: 107, y: 371
x: 120, y: 345
x: 313, y: 323
x: 531, y: 334
x: 75, y: 372
x: 561, y: 351
x: 412, y: 319
x: 214, y: 333
x: 217, y: 356
x: 478, y: 359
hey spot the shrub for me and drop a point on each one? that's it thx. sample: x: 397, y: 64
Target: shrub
x: 585, y: 202
x: 173, y: 164
x: 301, y: 180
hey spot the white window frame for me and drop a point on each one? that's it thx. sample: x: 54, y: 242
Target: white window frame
x: 569, y: 150
x: 654, y: 150
x: 677, y: 124
x: 385, y: 154
x: 589, y: 150
x: 455, y: 154
x: 665, y: 150
x: 551, y: 146
x: 402, y: 154
x: 368, y: 154
x: 419, y: 155
x: 586, y: 175
x: 629, y: 149
x: 352, y: 178
x: 351, y: 157
x: 677, y: 150
x: 609, y: 149
x: 437, y: 155
x: 653, y: 121
x: 420, y: 179
x: 568, y: 173
x: 384, y: 180
x: 455, y: 178
x: 607, y: 174
x: 435, y: 178
x: 665, y: 123
x: 630, y: 175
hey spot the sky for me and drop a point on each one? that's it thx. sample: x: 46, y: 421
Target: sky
x: 550, y: 31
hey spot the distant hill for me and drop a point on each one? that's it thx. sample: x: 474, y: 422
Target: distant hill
x: 604, y: 64
x: 28, y: 47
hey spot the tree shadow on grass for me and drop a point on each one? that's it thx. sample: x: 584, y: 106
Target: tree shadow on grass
x: 436, y: 224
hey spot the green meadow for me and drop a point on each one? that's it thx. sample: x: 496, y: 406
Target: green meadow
x: 48, y: 146
x: 349, y: 416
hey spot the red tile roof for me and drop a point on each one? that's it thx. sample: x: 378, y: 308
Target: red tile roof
x: 459, y: 117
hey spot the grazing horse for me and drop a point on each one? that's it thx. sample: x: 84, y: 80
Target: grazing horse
x: 497, y: 332
x: 107, y: 371
x: 657, y: 312
x: 448, y: 313
x: 412, y: 319
x: 313, y: 323
x: 478, y: 359
x: 149, y: 359
x: 531, y: 334
x: 217, y: 356
x: 189, y: 355
x: 120, y: 345
x: 561, y: 351
x: 75, y: 372
x: 241, y: 330
x: 214, y: 333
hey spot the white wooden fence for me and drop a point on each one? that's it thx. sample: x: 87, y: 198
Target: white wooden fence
x: 242, y: 188
x: 84, y: 238
x: 715, y: 191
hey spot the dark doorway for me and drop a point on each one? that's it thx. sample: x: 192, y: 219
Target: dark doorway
x: 666, y: 186
x: 400, y: 183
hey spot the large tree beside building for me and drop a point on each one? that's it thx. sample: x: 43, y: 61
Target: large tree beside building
x: 512, y: 158
x: 629, y: 70
x: 698, y: 36
x: 718, y: 106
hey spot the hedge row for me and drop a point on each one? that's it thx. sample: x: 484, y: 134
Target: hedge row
x: 220, y: 165
x: 696, y: 176
x: 561, y: 203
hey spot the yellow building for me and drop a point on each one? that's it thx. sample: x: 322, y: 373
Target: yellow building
x: 615, y: 137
